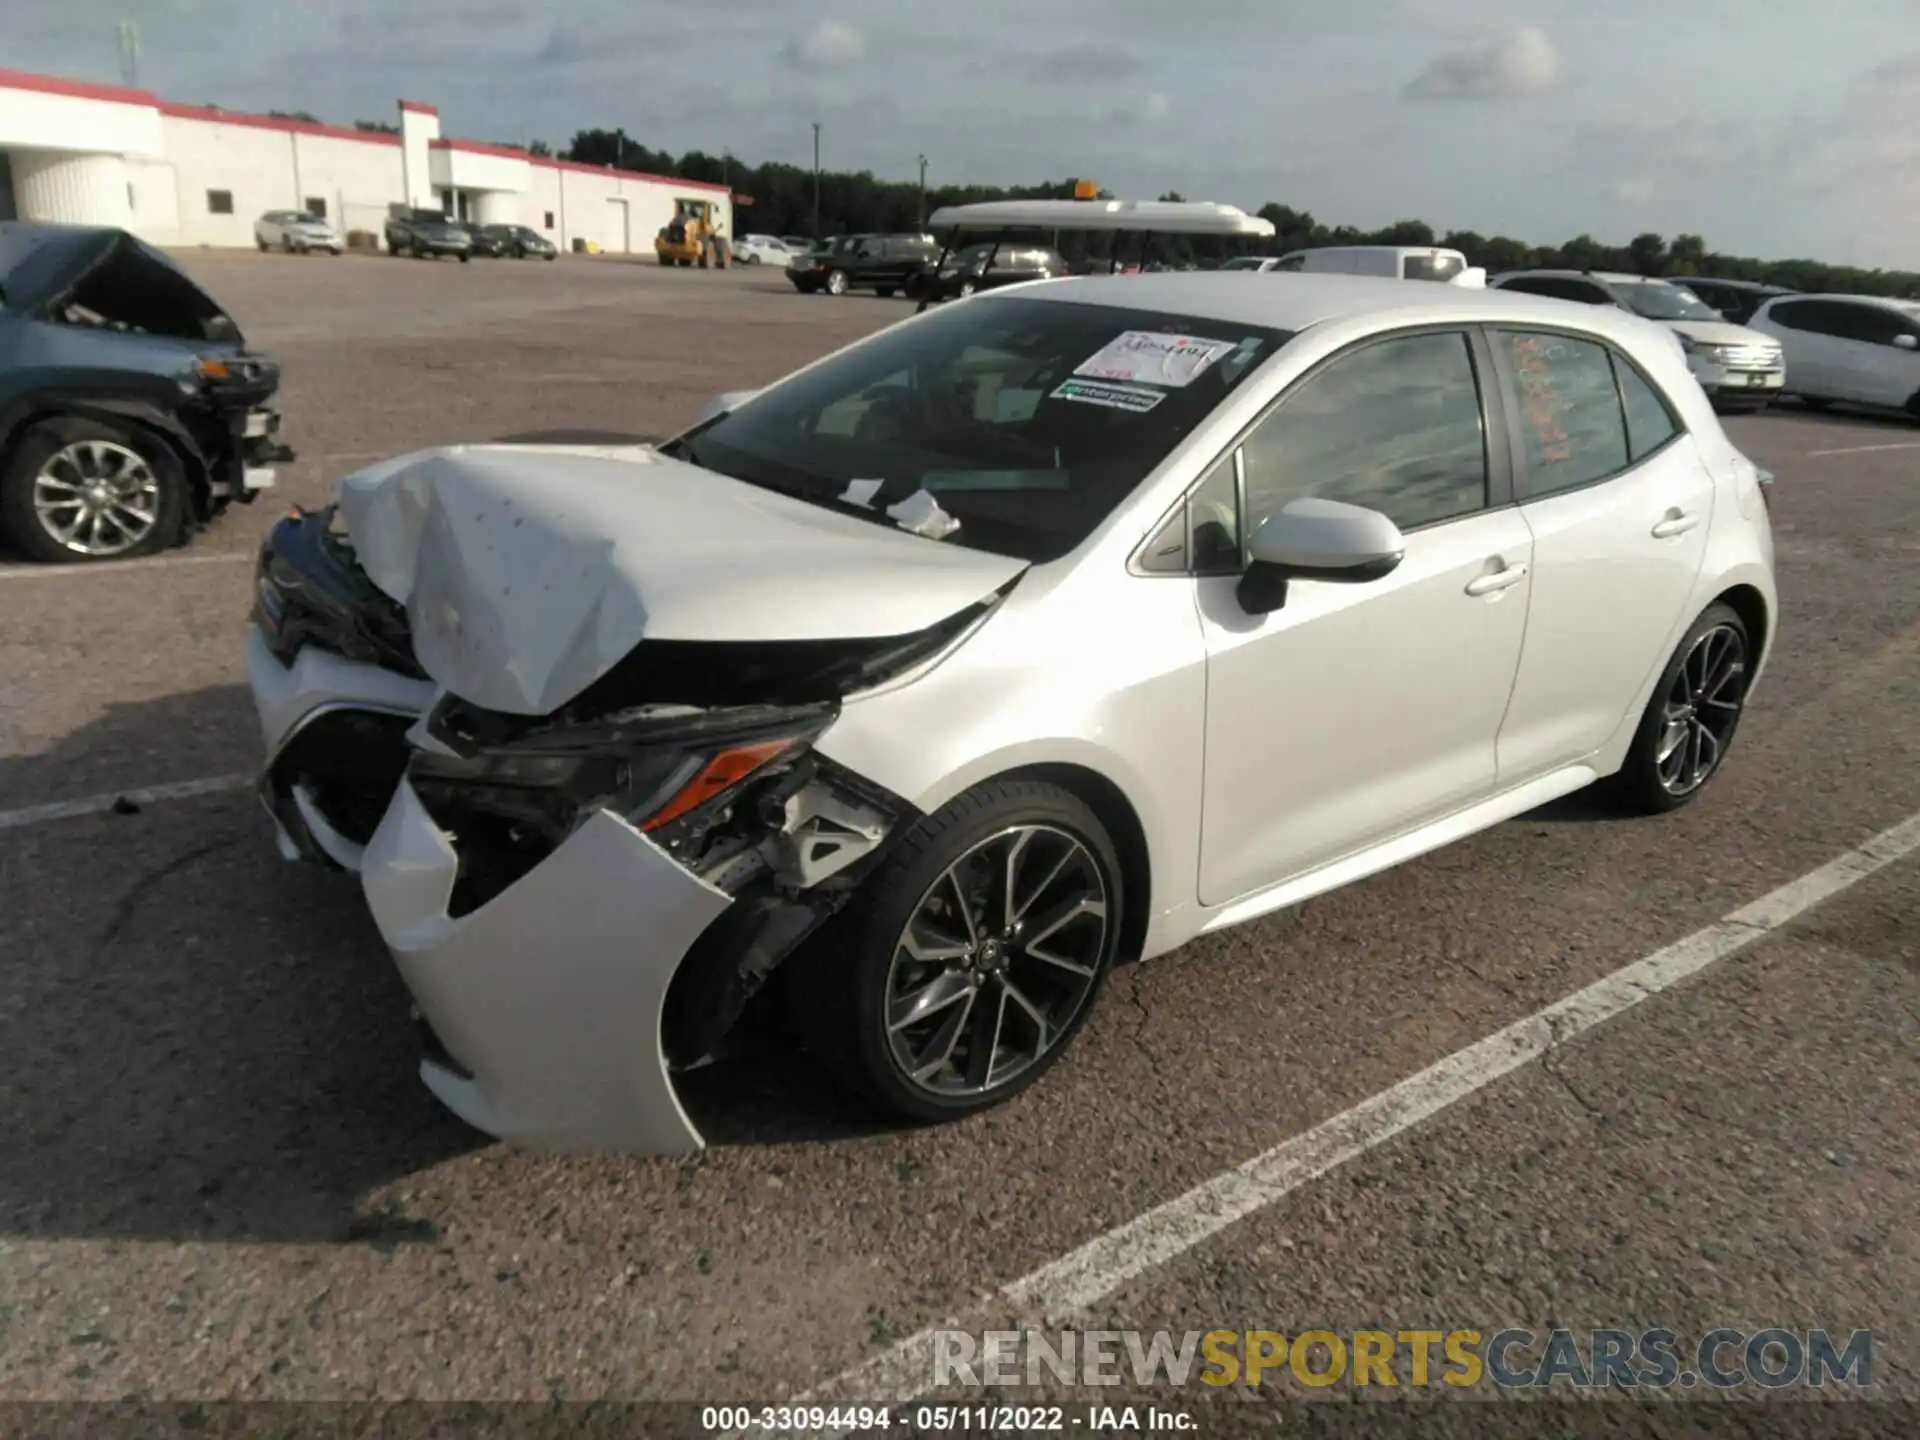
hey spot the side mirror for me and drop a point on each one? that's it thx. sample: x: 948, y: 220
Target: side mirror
x: 1906, y: 342
x: 1313, y: 539
x: 721, y: 404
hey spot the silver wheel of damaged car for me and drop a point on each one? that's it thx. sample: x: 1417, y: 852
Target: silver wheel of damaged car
x: 997, y: 961
x: 97, y: 498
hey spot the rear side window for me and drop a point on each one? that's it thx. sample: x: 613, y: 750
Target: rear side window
x: 1431, y: 267
x: 1395, y: 426
x: 1650, y: 424
x: 1816, y: 317
x: 1572, y: 430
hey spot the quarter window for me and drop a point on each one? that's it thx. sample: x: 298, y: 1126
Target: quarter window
x: 1572, y: 430
x: 1650, y: 424
x: 1395, y: 427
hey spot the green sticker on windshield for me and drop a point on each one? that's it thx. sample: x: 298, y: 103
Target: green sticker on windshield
x: 1136, y: 399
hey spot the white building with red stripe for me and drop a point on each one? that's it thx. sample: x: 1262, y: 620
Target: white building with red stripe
x: 80, y: 153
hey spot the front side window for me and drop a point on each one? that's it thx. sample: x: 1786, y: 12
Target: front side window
x: 1395, y: 426
x: 1572, y: 430
x: 1027, y: 421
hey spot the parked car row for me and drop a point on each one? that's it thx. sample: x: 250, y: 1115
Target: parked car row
x: 429, y: 234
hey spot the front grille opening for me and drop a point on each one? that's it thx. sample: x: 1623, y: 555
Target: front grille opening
x: 499, y: 834
x: 350, y: 762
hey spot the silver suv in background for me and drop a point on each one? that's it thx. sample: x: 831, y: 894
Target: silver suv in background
x: 1740, y: 369
x: 296, y: 232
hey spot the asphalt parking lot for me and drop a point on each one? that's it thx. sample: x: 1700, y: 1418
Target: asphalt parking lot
x: 221, y: 1177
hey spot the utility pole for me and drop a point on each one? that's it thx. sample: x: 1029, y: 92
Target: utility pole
x: 129, y: 54
x: 921, y: 224
x: 619, y: 148
x: 816, y: 179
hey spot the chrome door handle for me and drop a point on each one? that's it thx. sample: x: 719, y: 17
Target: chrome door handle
x: 1497, y: 581
x: 1675, y: 524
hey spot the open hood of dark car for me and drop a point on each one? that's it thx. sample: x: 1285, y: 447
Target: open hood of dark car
x: 116, y: 276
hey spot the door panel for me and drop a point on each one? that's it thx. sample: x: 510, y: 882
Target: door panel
x: 1357, y: 711
x: 1609, y: 602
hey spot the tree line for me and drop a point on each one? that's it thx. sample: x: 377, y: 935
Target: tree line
x: 782, y: 199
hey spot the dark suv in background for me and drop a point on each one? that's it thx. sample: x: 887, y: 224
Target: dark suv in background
x: 989, y: 266
x: 884, y: 264
x: 1735, y: 299
x: 421, y: 233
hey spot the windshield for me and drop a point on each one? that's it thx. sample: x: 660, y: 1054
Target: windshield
x: 1027, y: 421
x: 1658, y: 300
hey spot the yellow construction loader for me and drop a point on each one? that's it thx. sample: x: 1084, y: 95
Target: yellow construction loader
x: 693, y: 237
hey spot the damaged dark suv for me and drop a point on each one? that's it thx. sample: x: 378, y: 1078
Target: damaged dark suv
x: 131, y: 411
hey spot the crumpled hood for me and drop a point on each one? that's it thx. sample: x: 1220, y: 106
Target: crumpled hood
x: 529, y: 571
x: 1720, y: 332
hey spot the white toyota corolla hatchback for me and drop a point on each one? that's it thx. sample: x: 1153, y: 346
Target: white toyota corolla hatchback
x: 1038, y: 633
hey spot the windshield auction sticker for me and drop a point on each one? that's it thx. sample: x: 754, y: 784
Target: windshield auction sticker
x: 1144, y: 356
x: 1135, y: 398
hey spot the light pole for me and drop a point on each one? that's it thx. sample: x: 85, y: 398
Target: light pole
x: 816, y: 179
x: 921, y: 223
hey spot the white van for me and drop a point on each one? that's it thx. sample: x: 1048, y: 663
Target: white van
x: 1402, y: 262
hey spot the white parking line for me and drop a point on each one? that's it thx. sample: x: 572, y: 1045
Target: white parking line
x: 1062, y: 1291
x: 119, y: 567
x: 1865, y: 449
x: 100, y: 804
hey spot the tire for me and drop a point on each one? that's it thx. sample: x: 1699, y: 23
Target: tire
x: 464, y: 257
x: 263, y: 246
x: 550, y: 259
x: 286, y: 244
x: 39, y: 444
x: 753, y: 260
x: 1646, y: 783
x: 839, y: 985
x: 836, y: 282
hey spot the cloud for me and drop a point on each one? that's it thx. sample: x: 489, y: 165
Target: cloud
x: 1633, y: 190
x: 829, y: 46
x: 1523, y: 62
x: 1087, y: 60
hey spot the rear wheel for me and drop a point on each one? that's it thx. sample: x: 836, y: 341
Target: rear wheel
x: 81, y: 491
x: 963, y: 969
x: 1690, y: 720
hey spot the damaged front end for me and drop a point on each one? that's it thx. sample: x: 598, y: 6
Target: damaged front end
x: 336, y: 686
x: 734, y: 795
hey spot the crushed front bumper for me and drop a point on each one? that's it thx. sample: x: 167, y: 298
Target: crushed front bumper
x: 545, y: 1003
x: 313, y: 819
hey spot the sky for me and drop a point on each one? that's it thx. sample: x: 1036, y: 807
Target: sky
x: 1771, y: 127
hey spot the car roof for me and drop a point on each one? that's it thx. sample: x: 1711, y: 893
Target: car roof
x: 1758, y: 287
x: 1605, y: 276
x: 1294, y: 300
x: 1884, y: 302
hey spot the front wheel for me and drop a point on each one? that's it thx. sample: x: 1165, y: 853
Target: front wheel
x: 836, y: 282
x: 80, y: 491
x: 1690, y: 720
x: 963, y: 968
